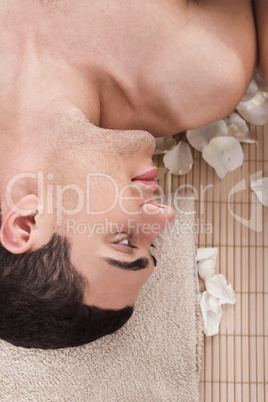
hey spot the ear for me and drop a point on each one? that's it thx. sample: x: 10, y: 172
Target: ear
x: 17, y: 232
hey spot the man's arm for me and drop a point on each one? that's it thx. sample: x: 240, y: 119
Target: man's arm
x: 261, y: 16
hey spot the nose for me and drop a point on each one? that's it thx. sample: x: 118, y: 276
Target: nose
x: 155, y: 217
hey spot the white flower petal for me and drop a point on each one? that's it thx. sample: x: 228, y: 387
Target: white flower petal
x: 163, y: 144
x: 262, y: 84
x: 206, y: 268
x: 255, y: 110
x: 217, y: 286
x: 200, y: 137
x: 213, y: 303
x: 238, y: 128
x: 260, y: 187
x: 204, y: 253
x: 179, y: 159
x: 251, y: 90
x: 212, y: 314
x: 225, y: 154
x: 206, y: 258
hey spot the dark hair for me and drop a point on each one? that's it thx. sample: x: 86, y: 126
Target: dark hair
x: 41, y: 300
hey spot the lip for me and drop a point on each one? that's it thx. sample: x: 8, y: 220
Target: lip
x: 148, y: 179
x: 150, y: 175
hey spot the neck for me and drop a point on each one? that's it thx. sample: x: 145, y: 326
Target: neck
x: 39, y: 82
x: 39, y: 88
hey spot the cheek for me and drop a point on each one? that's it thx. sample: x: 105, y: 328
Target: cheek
x: 102, y: 194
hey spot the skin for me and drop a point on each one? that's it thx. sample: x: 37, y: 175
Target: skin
x: 261, y: 16
x: 84, y: 86
x: 135, y: 215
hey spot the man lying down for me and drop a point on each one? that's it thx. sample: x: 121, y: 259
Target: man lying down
x: 85, y: 87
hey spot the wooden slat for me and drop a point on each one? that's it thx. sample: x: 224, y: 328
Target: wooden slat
x: 235, y: 362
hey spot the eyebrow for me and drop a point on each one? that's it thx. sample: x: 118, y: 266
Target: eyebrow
x: 136, y: 265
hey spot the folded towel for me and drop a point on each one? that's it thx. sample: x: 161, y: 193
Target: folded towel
x: 156, y: 356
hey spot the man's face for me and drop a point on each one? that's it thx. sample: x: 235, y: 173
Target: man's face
x: 112, y: 235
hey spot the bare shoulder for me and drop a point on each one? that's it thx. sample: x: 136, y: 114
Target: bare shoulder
x: 230, y: 23
x: 231, y: 33
x: 221, y: 55
x: 261, y: 15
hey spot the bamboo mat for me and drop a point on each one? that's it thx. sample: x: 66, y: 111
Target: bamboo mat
x: 229, y: 216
